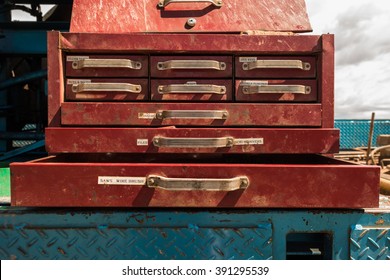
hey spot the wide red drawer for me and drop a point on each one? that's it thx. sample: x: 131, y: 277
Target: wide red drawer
x: 191, y: 66
x: 106, y: 89
x: 85, y: 65
x: 190, y: 114
x: 191, y: 90
x: 275, y: 67
x: 276, y: 90
x: 190, y: 140
x: 184, y: 181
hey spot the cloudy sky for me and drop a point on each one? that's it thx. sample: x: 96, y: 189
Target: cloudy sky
x: 362, y: 30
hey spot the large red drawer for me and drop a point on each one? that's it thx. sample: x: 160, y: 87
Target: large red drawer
x: 190, y: 140
x: 190, y: 114
x: 191, y: 66
x: 222, y: 181
x: 86, y: 65
x: 106, y: 89
x: 275, y: 67
x: 192, y: 90
x: 276, y: 90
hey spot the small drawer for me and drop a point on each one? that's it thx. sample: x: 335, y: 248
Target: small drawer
x: 192, y: 90
x: 106, y: 66
x: 106, y: 89
x: 276, y: 90
x: 191, y: 66
x: 275, y: 67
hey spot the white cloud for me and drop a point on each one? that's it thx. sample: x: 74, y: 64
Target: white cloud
x: 362, y: 35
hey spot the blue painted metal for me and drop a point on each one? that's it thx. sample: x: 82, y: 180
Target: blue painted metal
x: 23, y: 42
x: 23, y: 79
x: 25, y: 149
x: 370, y: 243
x: 171, y: 234
x: 354, y: 133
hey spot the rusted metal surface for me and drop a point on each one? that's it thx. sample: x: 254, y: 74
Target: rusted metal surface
x: 276, y: 67
x: 87, y: 65
x: 145, y: 114
x: 191, y: 66
x: 134, y: 140
x: 326, y: 80
x: 276, y: 90
x: 117, y: 16
x: 109, y: 181
x: 106, y: 89
x: 191, y: 90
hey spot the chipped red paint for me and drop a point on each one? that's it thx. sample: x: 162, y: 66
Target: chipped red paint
x: 118, y: 16
x: 283, y: 183
x: 134, y: 140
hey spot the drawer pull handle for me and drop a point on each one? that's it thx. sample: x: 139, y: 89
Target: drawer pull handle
x: 279, y: 89
x: 193, y: 142
x: 164, y: 3
x: 98, y: 87
x: 191, y: 89
x: 197, y: 184
x: 191, y: 65
x: 192, y: 114
x: 277, y: 64
x: 106, y: 63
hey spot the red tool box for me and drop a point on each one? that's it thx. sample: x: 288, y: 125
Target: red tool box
x: 203, y: 115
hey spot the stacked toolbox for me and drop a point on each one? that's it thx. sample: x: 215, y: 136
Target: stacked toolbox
x: 195, y: 115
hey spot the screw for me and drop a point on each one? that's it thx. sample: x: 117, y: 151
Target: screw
x: 224, y: 115
x: 151, y: 181
x: 74, y: 65
x: 191, y: 22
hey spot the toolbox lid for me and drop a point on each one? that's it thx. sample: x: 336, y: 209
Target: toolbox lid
x: 219, y: 16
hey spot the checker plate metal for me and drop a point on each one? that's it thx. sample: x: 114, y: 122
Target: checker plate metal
x: 370, y: 243
x: 103, y: 242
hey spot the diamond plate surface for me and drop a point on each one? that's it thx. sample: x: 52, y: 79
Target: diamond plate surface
x: 354, y: 133
x: 137, y: 243
x: 370, y: 243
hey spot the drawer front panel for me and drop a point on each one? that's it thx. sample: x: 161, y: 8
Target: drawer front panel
x: 106, y: 65
x: 191, y: 114
x: 276, y: 90
x: 186, y: 140
x: 275, y: 67
x: 106, y: 89
x: 191, y: 66
x: 328, y: 183
x: 191, y: 90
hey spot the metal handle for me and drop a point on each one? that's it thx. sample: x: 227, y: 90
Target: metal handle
x: 192, y: 88
x: 266, y: 89
x: 192, y: 184
x: 191, y: 65
x: 106, y: 63
x: 98, y: 87
x: 193, y: 142
x: 164, y: 3
x: 192, y: 114
x: 281, y: 64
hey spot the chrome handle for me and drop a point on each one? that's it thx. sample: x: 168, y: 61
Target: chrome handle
x: 106, y: 63
x: 192, y: 114
x: 281, y: 64
x: 98, y: 87
x: 193, y: 142
x: 191, y: 65
x: 197, y: 184
x: 191, y: 89
x: 164, y: 3
x: 270, y: 89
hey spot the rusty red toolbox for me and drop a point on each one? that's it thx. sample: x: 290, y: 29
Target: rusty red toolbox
x: 196, y: 59
x: 187, y: 181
